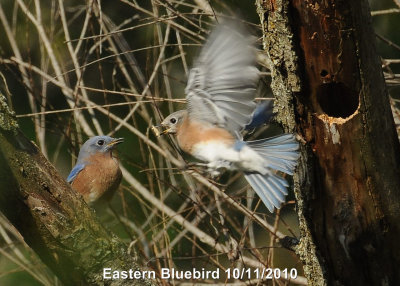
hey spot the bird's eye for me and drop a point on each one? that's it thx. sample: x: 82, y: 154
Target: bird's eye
x: 172, y: 120
x: 100, y: 142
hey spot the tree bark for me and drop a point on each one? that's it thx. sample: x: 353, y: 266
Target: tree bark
x: 53, y: 219
x: 329, y: 87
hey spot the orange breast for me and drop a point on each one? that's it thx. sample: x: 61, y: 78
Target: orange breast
x: 99, y: 179
x: 190, y: 133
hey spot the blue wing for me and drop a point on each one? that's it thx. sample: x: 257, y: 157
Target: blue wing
x: 74, y: 172
x: 262, y: 114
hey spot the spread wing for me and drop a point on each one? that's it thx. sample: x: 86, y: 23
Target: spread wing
x: 222, y: 85
x: 74, y: 172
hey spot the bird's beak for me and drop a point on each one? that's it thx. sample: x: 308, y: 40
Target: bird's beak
x: 156, y: 130
x: 115, y: 142
x: 165, y: 131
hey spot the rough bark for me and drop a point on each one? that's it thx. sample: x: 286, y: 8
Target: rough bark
x: 329, y: 87
x: 54, y: 221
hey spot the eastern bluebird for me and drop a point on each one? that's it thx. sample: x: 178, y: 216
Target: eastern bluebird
x: 220, y: 97
x: 96, y: 175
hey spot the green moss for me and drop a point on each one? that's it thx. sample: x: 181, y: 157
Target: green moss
x: 8, y: 120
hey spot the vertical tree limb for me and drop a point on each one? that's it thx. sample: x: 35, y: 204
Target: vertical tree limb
x: 328, y: 81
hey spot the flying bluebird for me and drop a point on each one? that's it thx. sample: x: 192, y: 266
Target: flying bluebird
x: 220, y: 97
x: 96, y: 175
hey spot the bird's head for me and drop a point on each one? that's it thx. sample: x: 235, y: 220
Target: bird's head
x: 172, y: 122
x: 98, y: 144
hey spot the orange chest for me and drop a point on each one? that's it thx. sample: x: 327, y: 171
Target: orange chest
x: 191, y: 133
x: 104, y: 168
x: 101, y: 175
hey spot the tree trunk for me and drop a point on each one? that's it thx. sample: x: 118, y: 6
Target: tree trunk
x: 329, y: 87
x: 54, y: 220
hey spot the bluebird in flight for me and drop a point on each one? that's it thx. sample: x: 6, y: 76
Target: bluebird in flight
x: 96, y: 174
x: 220, y: 97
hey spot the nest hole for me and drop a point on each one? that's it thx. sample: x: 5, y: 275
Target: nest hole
x: 337, y: 100
x: 324, y: 73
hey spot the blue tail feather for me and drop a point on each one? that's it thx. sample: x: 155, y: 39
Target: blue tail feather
x: 270, y: 188
x: 280, y: 153
x: 258, y: 187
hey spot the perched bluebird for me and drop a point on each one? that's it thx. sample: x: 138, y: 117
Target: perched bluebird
x: 220, y: 97
x: 96, y: 174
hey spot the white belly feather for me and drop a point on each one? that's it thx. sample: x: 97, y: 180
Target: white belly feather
x: 218, y: 154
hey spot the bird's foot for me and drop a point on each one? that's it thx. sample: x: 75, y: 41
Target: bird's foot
x: 215, y: 168
x: 203, y: 168
x: 213, y: 173
x: 195, y: 165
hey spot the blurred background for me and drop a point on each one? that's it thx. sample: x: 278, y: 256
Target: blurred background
x: 74, y: 69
